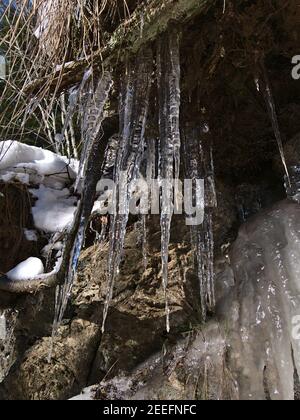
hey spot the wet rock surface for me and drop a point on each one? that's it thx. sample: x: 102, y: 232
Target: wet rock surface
x: 248, y: 350
x: 135, y: 326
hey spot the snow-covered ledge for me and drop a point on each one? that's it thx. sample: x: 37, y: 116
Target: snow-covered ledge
x: 48, y: 178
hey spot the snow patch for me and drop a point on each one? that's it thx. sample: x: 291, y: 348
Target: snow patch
x: 33, y: 161
x: 30, y: 235
x: 86, y: 395
x: 54, y: 210
x: 55, y: 207
x: 26, y: 270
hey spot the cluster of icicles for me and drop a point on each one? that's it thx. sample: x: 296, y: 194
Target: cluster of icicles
x: 162, y: 158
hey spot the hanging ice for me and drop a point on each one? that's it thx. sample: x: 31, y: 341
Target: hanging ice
x: 168, y: 64
x: 199, y: 165
x: 134, y: 101
x: 269, y: 99
x: 92, y: 109
x: 89, y: 164
x: 150, y: 177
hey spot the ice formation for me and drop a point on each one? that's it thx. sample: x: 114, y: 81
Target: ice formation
x: 271, y: 107
x: 199, y: 165
x: 134, y: 103
x: 26, y: 270
x: 93, y: 101
x: 168, y: 58
x: 262, y: 309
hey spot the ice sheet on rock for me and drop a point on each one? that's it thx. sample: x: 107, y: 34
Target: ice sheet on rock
x: 26, y: 270
x: 265, y: 346
x: 54, y: 210
x: 195, y: 368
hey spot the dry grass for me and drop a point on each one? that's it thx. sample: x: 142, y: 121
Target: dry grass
x: 41, y: 36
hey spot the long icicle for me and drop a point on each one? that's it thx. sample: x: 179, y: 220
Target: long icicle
x: 92, y: 106
x: 134, y: 104
x: 168, y: 64
x: 270, y: 103
x: 199, y: 165
x: 85, y: 206
x: 150, y: 176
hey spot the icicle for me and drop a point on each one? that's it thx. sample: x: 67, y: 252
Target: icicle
x: 151, y: 160
x: 75, y: 96
x: 199, y: 165
x: 90, y: 165
x: 93, y: 114
x: 150, y: 176
x: 168, y: 57
x: 269, y: 99
x: 293, y: 188
x: 134, y: 103
x: 144, y: 241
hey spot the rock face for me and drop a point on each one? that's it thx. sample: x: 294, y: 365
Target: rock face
x: 263, y: 313
x: 252, y: 351
x: 135, y: 328
x: 194, y: 368
x: 249, y: 349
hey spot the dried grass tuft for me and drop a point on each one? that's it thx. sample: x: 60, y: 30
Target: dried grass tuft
x: 37, y: 38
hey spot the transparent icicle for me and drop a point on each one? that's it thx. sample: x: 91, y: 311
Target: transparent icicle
x: 270, y: 103
x: 85, y: 206
x: 150, y: 177
x: 75, y: 96
x: 199, y: 165
x: 134, y: 103
x: 93, y: 104
x: 168, y: 65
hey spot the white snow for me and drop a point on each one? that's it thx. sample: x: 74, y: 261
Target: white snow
x: 26, y: 270
x: 86, y: 395
x: 36, y: 163
x: 30, y: 235
x: 49, y: 178
x: 54, y: 209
